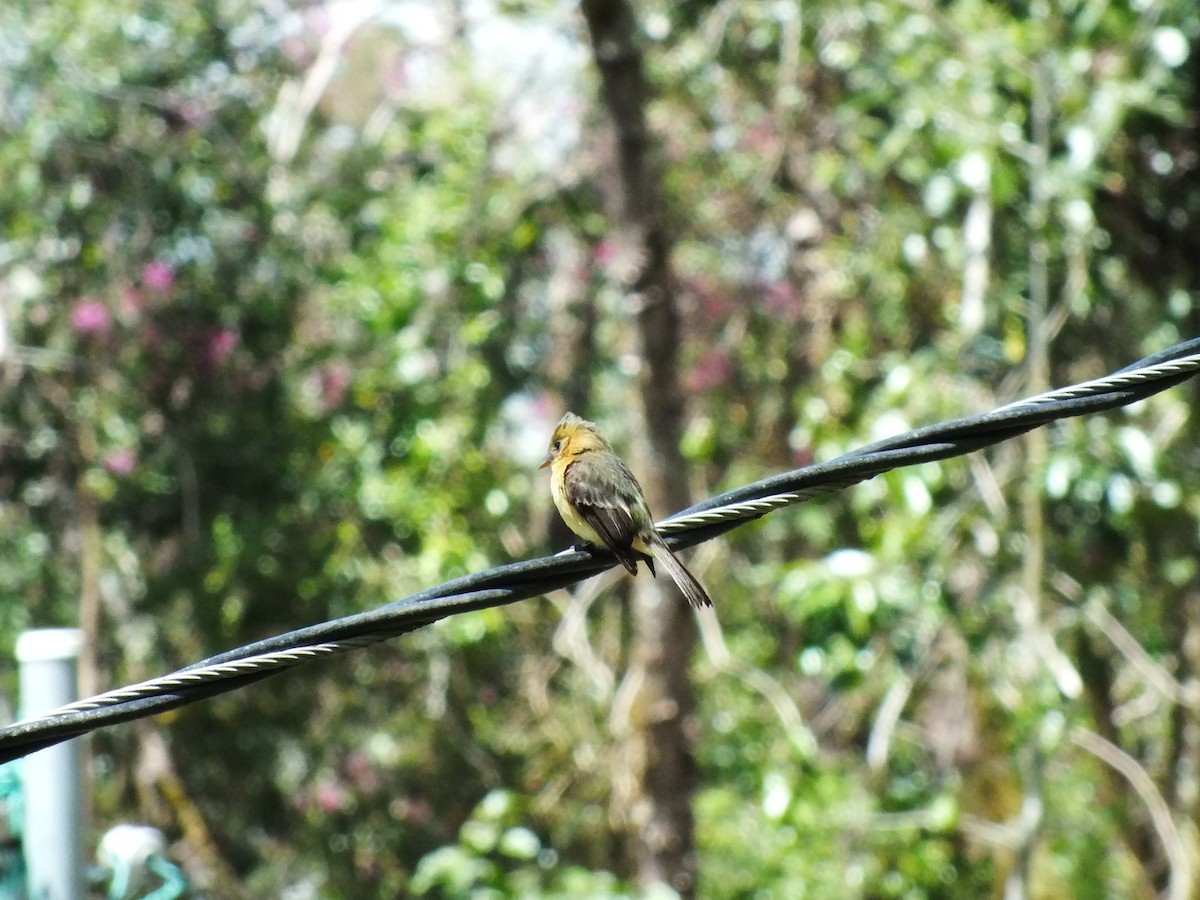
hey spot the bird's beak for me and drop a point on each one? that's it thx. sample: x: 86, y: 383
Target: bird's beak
x: 545, y: 462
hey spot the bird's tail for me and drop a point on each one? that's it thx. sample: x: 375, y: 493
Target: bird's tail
x: 692, y: 590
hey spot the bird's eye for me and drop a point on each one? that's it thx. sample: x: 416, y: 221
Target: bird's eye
x: 556, y: 446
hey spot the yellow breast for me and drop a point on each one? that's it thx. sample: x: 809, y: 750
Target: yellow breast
x: 574, y: 520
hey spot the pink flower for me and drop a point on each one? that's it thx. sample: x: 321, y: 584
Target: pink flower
x: 330, y: 797
x: 605, y: 252
x: 90, y: 316
x: 158, y: 276
x: 132, y: 302
x: 781, y: 301
x: 712, y: 370
x: 713, y: 302
x: 120, y: 462
x: 761, y: 137
x: 334, y: 380
x: 362, y: 772
x: 221, y: 344
x: 297, y: 50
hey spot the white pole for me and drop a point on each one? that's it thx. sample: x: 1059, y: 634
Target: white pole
x: 52, y: 778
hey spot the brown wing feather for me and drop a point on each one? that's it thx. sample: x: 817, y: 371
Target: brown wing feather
x: 603, y: 504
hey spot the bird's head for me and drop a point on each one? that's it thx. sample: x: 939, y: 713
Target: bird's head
x: 571, y: 437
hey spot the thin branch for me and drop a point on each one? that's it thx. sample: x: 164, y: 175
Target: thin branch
x: 1180, y: 885
x: 1151, y: 672
x: 879, y: 742
x: 570, y: 639
x: 756, y: 679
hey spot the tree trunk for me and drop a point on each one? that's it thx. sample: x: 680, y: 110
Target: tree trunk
x: 661, y: 814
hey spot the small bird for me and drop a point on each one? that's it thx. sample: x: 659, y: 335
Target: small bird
x: 602, y: 502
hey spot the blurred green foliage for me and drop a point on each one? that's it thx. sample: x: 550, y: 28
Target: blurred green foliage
x: 290, y: 339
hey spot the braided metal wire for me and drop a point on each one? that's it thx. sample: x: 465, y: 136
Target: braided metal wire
x: 1184, y: 366
x: 517, y: 581
x: 165, y: 684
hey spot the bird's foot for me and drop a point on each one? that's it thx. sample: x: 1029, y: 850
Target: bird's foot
x: 581, y: 547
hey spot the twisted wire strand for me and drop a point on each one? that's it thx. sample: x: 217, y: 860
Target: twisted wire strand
x: 1185, y: 366
x: 1125, y: 377
x: 184, y: 678
x: 517, y: 581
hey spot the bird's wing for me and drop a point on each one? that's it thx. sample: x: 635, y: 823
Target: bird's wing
x: 604, y: 503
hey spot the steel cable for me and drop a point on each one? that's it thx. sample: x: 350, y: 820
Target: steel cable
x: 518, y: 581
